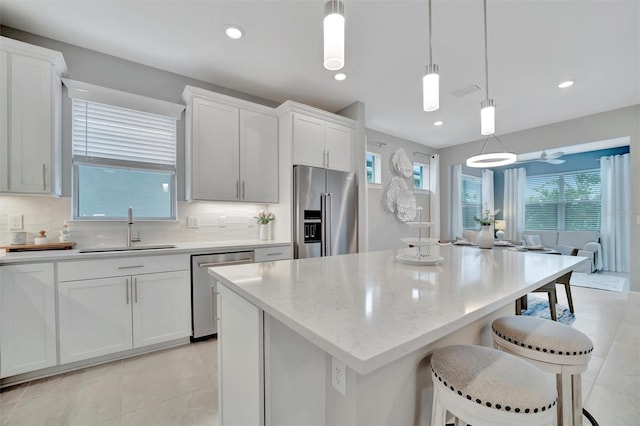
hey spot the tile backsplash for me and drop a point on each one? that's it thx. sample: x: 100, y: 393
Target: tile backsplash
x: 218, y: 222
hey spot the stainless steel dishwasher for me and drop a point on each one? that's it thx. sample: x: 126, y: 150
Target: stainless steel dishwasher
x: 204, y: 307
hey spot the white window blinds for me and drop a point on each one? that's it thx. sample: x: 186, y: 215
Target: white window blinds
x: 107, y: 134
x: 565, y: 201
x: 471, y: 201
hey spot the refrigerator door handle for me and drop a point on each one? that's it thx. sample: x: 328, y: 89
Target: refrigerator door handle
x: 328, y: 225
x: 323, y: 225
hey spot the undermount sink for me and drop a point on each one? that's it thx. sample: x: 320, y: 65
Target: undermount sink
x: 134, y: 248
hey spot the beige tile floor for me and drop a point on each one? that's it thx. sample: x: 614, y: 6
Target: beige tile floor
x: 179, y: 386
x: 172, y: 387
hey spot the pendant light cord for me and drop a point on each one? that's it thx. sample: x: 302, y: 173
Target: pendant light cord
x: 486, y: 56
x: 430, y: 59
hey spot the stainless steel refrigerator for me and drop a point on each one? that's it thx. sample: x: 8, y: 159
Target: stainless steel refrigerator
x: 325, y: 212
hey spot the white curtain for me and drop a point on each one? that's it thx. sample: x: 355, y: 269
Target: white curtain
x: 434, y: 195
x: 615, y: 226
x: 487, y: 189
x: 513, y: 207
x: 455, y: 224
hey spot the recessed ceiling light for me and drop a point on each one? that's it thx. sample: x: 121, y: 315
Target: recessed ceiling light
x: 340, y: 76
x: 234, y: 32
x: 438, y: 123
x: 565, y: 84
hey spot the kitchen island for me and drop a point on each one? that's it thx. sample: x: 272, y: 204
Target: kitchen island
x: 346, y: 339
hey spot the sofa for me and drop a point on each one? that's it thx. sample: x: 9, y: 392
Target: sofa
x: 587, y: 243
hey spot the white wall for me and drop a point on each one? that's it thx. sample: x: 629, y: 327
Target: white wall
x: 385, y: 229
x: 597, y: 127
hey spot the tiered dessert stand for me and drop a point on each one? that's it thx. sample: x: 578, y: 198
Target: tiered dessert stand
x: 422, y: 244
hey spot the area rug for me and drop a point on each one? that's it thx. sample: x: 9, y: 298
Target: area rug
x: 539, y: 307
x: 602, y: 282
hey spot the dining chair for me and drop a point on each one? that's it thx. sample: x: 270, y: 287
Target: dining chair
x: 550, y: 288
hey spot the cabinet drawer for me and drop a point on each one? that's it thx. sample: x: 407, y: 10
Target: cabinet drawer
x: 122, y: 266
x: 272, y: 253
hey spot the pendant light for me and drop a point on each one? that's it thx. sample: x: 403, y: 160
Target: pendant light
x: 488, y: 122
x: 492, y: 159
x: 488, y: 106
x: 333, y: 35
x: 431, y: 80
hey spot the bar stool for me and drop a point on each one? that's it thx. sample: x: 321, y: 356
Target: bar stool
x: 554, y: 348
x: 483, y: 386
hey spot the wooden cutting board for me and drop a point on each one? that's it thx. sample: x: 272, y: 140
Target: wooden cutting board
x: 48, y: 246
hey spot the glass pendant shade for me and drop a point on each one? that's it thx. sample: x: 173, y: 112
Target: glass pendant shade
x: 333, y: 35
x: 487, y: 117
x: 431, y: 89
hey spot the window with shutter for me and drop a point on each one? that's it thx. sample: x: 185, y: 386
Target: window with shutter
x: 563, y: 201
x: 121, y: 158
x: 471, y: 201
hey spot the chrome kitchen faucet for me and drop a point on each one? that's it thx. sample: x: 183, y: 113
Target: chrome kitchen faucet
x: 130, y: 238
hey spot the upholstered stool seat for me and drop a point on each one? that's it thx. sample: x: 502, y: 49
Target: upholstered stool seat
x: 553, y: 347
x: 483, y: 386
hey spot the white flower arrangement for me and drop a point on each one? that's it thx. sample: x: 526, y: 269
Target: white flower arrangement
x: 487, y: 216
x: 264, y: 217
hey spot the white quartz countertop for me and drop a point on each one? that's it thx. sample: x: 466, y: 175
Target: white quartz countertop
x: 369, y: 310
x: 191, y: 248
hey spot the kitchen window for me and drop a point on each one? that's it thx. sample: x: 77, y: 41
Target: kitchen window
x: 563, y: 201
x: 420, y: 176
x: 122, y: 157
x: 374, y: 168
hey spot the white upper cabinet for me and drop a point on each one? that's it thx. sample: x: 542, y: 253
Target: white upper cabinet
x: 30, y: 114
x: 231, y: 149
x: 318, y: 138
x: 27, y: 318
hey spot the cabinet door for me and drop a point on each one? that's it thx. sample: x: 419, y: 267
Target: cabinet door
x: 161, y: 307
x: 4, y: 132
x: 27, y: 318
x: 215, y: 150
x: 258, y: 157
x: 240, y: 360
x: 338, y: 141
x: 95, y: 318
x: 31, y: 125
x: 308, y: 141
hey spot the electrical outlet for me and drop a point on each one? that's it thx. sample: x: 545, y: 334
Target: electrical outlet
x: 193, y: 222
x: 338, y: 376
x: 222, y: 221
x: 16, y: 222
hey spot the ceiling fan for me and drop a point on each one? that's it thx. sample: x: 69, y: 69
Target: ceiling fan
x: 553, y: 158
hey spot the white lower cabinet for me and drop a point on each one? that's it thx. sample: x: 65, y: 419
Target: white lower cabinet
x: 101, y: 316
x: 240, y: 360
x: 27, y: 318
x: 161, y: 307
x: 95, y: 318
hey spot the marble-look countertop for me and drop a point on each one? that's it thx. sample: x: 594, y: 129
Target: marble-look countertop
x: 190, y: 248
x: 369, y: 310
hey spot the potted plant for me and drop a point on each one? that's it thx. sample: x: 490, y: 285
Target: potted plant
x: 264, y: 218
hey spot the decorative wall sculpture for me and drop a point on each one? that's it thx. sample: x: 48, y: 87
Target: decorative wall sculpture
x: 399, y: 193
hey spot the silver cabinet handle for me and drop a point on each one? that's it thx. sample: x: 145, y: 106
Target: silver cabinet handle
x: 214, y: 315
x: 230, y: 262
x: 238, y: 189
x: 324, y: 158
x: 135, y: 290
x: 243, y: 190
x: 127, y: 292
x: 44, y: 177
x: 131, y: 267
x: 274, y: 254
x: 328, y: 224
x: 327, y: 159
